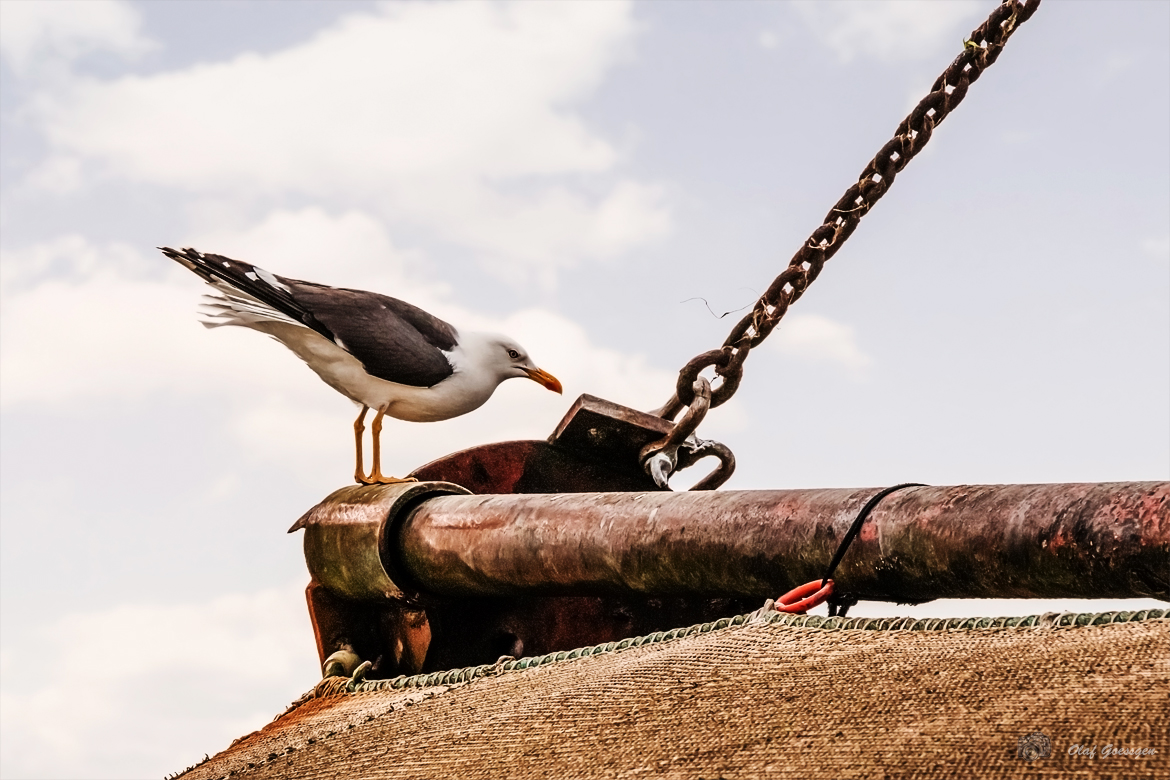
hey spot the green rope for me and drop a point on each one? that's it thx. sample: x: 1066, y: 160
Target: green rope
x: 467, y: 674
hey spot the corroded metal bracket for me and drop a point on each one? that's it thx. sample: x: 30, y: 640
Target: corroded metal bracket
x: 348, y: 536
x: 598, y: 446
x: 594, y: 448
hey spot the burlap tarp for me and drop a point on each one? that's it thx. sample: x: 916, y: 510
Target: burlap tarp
x: 761, y: 695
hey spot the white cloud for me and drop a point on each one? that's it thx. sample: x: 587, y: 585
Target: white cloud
x: 1157, y: 247
x: 768, y: 39
x: 453, y: 116
x: 1115, y: 64
x: 63, y: 30
x: 68, y: 257
x: 888, y: 29
x: 630, y: 214
x: 351, y: 249
x: 141, y: 690
x: 83, y: 322
x: 817, y: 338
x: 59, y: 175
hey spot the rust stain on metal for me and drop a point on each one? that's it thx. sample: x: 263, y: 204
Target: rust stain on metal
x: 393, y: 634
x: 531, y: 467
x: 594, y: 424
x: 1021, y: 541
x: 594, y: 448
x: 344, y: 536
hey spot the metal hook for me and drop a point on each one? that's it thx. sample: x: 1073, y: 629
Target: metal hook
x: 681, y: 447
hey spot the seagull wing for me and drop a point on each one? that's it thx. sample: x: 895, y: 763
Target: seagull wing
x: 394, y: 340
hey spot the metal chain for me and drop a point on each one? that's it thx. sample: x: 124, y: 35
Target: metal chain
x: 979, y: 52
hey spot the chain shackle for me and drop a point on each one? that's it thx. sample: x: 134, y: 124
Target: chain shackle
x: 682, y: 448
x: 660, y: 458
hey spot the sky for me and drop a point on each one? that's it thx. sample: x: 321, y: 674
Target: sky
x: 598, y: 180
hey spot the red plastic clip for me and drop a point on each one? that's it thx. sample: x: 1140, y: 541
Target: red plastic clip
x: 802, y: 599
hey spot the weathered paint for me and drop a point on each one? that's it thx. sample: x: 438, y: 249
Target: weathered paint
x: 1108, y: 540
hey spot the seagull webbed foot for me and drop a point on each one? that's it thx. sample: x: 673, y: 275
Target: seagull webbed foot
x: 381, y: 479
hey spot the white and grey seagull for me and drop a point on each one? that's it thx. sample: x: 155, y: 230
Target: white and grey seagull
x: 381, y: 353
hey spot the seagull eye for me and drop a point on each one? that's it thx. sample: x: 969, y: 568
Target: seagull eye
x: 513, y: 354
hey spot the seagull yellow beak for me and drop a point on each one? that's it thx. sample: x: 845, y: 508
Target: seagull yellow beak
x: 544, y: 378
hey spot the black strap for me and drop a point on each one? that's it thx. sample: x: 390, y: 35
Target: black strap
x: 839, y: 603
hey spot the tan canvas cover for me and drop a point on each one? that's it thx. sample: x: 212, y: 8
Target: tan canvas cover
x: 758, y: 696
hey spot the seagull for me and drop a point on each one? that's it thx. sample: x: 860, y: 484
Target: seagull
x: 381, y: 353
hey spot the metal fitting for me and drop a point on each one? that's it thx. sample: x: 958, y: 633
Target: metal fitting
x: 348, y: 546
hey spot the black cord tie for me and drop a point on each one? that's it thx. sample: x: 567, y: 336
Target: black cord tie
x: 839, y: 603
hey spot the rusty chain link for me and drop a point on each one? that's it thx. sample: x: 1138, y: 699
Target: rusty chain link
x: 979, y: 52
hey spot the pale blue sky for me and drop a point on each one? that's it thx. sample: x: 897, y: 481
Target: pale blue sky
x: 575, y: 175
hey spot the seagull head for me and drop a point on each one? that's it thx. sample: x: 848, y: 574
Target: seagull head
x: 508, y: 359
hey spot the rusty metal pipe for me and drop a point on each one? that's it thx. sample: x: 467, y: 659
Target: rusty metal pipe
x: 1109, y: 540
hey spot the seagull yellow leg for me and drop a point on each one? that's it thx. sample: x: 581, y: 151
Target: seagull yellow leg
x: 359, y: 427
x: 376, y: 477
